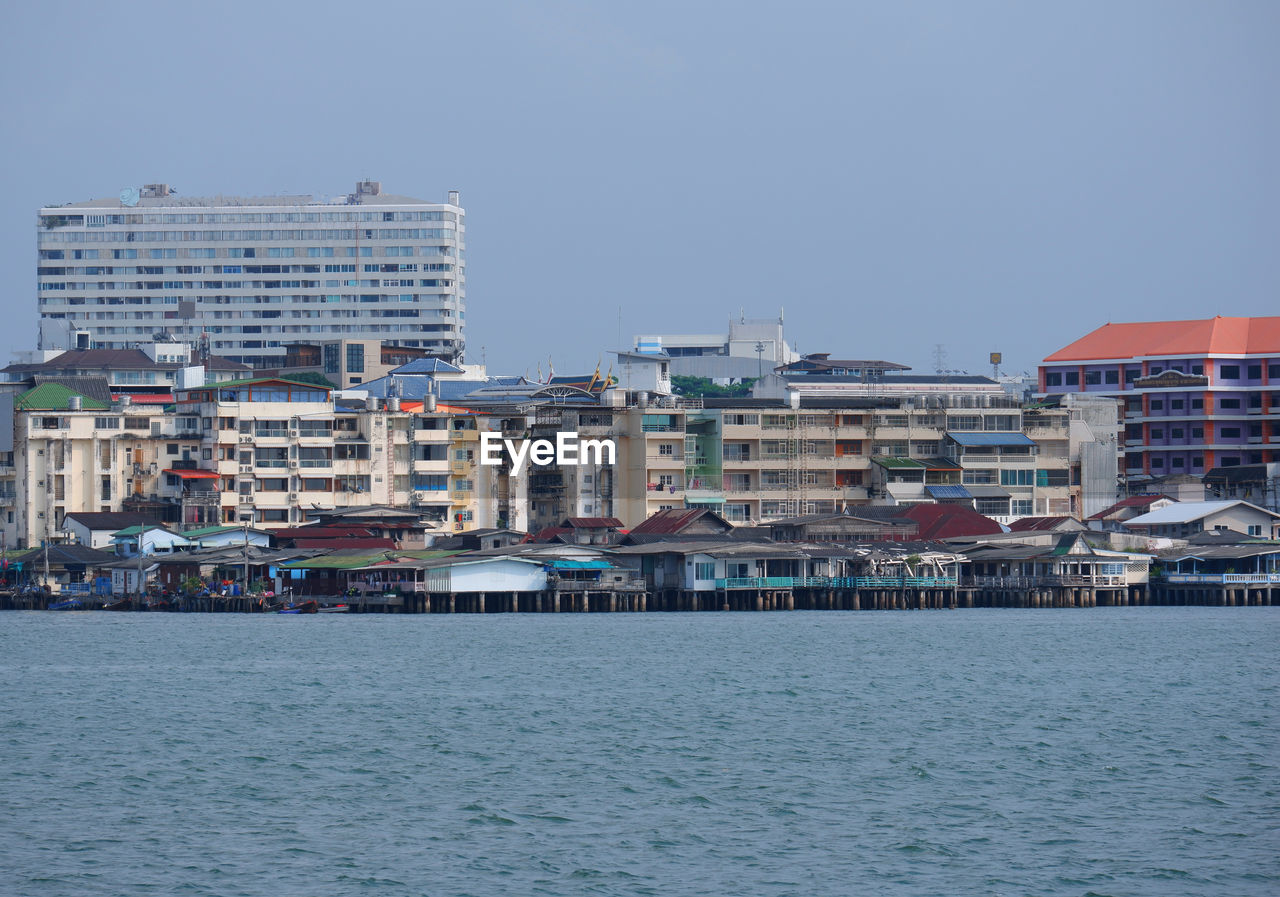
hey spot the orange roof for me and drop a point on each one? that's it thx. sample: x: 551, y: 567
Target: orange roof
x: 1166, y: 339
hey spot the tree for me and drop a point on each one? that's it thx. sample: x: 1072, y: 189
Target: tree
x: 705, y: 388
x: 314, y: 377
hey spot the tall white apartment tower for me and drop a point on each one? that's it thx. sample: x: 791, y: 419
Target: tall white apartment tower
x: 252, y: 274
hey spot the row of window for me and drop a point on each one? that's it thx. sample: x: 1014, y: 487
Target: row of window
x: 248, y: 236
x: 90, y: 220
x: 1112, y: 376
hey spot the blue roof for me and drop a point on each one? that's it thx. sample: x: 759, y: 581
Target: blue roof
x: 948, y: 491
x: 564, y: 564
x: 990, y: 439
x: 427, y: 366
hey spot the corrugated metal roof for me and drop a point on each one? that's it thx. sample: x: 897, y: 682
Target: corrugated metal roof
x: 948, y: 491
x: 51, y: 396
x: 988, y: 492
x: 993, y: 439
x: 1187, y: 511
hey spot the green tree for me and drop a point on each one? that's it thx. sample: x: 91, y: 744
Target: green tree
x: 704, y: 388
x: 314, y: 377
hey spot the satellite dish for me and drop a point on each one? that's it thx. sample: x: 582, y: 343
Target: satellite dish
x: 129, y: 196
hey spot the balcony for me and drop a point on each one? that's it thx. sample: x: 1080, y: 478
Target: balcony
x: 1224, y: 578
x: 838, y: 582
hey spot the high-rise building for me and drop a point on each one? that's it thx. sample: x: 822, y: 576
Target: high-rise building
x: 1196, y: 395
x: 253, y: 274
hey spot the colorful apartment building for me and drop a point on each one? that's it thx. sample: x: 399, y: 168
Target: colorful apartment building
x: 1195, y: 395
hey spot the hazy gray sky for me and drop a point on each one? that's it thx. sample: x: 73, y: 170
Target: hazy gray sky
x: 988, y: 176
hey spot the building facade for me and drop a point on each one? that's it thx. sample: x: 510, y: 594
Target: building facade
x: 254, y: 273
x: 1195, y: 395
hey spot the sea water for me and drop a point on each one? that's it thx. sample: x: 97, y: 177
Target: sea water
x: 1108, y: 751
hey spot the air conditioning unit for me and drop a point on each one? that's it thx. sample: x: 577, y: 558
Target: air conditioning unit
x: 246, y: 440
x: 293, y: 496
x: 246, y: 499
x: 246, y: 468
x: 293, y: 431
x: 293, y: 464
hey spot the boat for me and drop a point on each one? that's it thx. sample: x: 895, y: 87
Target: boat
x: 334, y: 609
x: 306, y: 607
x: 122, y: 604
x: 67, y: 604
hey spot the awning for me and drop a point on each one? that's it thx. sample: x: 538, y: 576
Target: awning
x: 563, y: 564
x: 948, y: 491
x: 194, y: 474
x: 991, y: 439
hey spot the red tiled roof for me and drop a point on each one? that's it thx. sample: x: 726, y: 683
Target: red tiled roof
x: 335, y: 544
x: 1028, y: 524
x: 1213, y: 336
x: 547, y: 534
x: 1133, y: 501
x: 593, y: 522
x: 942, y: 521
x: 672, y: 520
x: 325, y: 533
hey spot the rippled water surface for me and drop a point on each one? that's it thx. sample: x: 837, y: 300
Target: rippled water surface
x: 1004, y: 752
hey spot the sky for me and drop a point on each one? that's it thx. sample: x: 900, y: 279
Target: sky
x: 922, y: 182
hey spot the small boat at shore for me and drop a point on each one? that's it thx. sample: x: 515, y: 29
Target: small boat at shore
x: 334, y: 609
x: 68, y: 604
x: 122, y: 604
x: 305, y: 607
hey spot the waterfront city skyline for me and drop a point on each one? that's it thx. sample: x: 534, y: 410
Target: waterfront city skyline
x: 988, y: 170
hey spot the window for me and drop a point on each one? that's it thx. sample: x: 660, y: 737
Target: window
x: 1072, y: 378
x: 1197, y: 404
x: 1093, y: 378
x: 992, y: 507
x: 705, y: 570
x: 1112, y: 376
x: 1229, y: 372
x: 1017, y: 477
x: 666, y: 448
x: 1255, y: 529
x: 1176, y: 404
x: 1157, y: 404
x: 1197, y: 432
x: 1157, y: 433
x: 1130, y: 375
x: 1053, y: 378
x: 1022, y: 506
x: 1157, y: 462
x: 355, y: 359
x: 1229, y: 432
x: 1177, y: 462
x: 1254, y: 372
x: 1177, y: 433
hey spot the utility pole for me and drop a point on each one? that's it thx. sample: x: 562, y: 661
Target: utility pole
x: 246, y: 558
x: 142, y: 531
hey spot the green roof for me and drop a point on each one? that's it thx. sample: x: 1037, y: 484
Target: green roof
x: 138, y: 527
x: 899, y: 462
x: 55, y: 397
x: 347, y: 560
x: 210, y: 531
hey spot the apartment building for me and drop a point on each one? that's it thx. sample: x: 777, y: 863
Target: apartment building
x: 269, y: 452
x: 253, y: 273
x: 1195, y: 394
